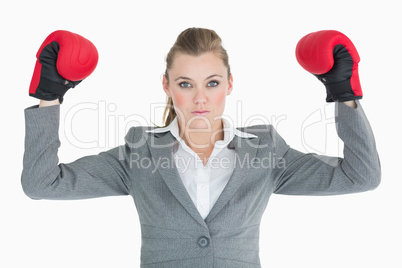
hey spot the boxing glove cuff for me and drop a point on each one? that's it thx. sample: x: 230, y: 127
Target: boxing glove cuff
x: 341, y: 91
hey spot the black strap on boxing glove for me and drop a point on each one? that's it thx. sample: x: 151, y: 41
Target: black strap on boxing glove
x: 337, y: 80
x: 51, y: 84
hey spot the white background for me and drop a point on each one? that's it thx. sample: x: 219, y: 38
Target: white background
x: 133, y: 38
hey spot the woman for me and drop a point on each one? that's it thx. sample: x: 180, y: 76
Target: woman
x: 200, y: 185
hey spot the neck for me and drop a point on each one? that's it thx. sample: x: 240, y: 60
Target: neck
x: 202, y: 139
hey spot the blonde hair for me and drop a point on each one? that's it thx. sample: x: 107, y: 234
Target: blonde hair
x: 194, y: 42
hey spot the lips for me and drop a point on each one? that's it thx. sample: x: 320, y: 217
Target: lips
x: 200, y: 112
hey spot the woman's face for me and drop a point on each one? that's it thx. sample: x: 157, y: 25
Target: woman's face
x: 198, y: 84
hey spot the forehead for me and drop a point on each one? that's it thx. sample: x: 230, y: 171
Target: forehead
x: 202, y: 64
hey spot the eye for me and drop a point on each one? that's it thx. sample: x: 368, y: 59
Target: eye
x: 213, y: 83
x: 184, y: 85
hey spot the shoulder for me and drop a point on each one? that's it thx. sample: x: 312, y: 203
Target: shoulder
x: 261, y: 131
x: 267, y: 135
x: 137, y: 133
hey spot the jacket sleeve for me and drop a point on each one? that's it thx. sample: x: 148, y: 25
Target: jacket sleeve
x: 43, y: 177
x: 311, y: 174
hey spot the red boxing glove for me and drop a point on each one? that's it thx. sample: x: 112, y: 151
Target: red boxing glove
x: 333, y: 59
x: 63, y: 61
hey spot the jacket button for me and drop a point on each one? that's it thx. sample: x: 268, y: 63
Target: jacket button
x: 203, y: 241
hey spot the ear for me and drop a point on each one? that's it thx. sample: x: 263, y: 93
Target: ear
x: 230, y: 88
x: 165, y: 84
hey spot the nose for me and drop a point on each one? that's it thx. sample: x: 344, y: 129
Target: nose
x: 200, y: 96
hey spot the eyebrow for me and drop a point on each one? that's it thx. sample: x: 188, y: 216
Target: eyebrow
x: 187, y: 78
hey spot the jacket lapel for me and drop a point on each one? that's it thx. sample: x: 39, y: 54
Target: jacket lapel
x: 246, y: 150
x: 161, y: 147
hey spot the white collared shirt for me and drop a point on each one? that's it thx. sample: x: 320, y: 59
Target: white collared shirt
x: 205, y: 183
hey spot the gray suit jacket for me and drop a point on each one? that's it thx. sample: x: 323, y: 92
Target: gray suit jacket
x: 173, y: 232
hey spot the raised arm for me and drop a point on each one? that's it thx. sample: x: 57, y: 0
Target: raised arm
x: 359, y: 170
x: 43, y: 177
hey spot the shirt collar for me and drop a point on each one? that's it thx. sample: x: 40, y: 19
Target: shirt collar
x: 229, y: 132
